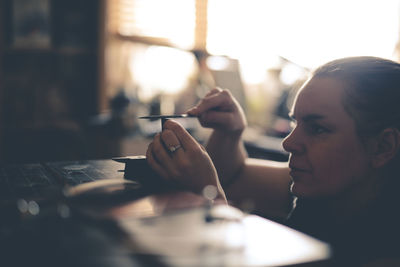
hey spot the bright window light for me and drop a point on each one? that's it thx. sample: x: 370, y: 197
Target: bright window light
x: 161, y: 70
x: 307, y: 32
x: 173, y: 20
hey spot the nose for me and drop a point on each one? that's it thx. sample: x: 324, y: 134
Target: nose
x: 292, y: 142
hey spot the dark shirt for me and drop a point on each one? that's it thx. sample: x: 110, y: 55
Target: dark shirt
x: 369, y: 235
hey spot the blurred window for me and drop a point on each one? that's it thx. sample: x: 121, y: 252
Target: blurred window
x: 275, y: 42
x: 171, y: 22
x: 308, y: 32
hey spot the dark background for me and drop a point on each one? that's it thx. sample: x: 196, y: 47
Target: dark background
x: 49, y: 94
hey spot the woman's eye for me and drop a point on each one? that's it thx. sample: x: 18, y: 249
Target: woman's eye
x: 316, y: 129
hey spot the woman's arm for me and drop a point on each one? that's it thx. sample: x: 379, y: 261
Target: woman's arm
x: 258, y: 185
x: 262, y: 187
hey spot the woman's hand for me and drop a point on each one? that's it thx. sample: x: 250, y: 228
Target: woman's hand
x: 176, y: 156
x: 221, y: 111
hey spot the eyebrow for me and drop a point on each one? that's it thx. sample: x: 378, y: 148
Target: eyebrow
x: 308, y: 117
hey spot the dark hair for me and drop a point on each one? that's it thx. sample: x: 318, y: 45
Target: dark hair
x: 372, y: 91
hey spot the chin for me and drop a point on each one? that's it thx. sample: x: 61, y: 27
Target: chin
x: 304, y: 191
x: 293, y: 190
x: 301, y: 191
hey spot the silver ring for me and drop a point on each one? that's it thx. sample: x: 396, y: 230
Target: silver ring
x: 172, y: 149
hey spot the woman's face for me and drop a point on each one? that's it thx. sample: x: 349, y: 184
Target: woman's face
x: 327, y: 157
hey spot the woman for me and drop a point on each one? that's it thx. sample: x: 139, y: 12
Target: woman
x: 343, y: 168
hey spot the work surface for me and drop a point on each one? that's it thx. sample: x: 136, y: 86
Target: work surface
x: 107, y: 220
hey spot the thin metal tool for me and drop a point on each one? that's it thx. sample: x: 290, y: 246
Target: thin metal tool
x: 164, y: 118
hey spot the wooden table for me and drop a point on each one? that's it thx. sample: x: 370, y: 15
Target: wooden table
x: 175, y: 227
x: 187, y: 230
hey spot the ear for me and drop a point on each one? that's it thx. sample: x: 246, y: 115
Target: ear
x: 386, y: 146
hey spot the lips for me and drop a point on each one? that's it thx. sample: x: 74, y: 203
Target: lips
x: 297, y: 169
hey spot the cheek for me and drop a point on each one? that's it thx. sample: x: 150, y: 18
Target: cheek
x: 335, y: 169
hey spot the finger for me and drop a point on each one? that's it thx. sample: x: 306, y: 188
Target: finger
x: 154, y: 164
x: 184, y: 138
x: 213, y: 91
x: 160, y: 152
x: 164, y: 157
x: 221, y: 102
x: 217, y: 98
x: 212, y: 117
x: 170, y: 140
